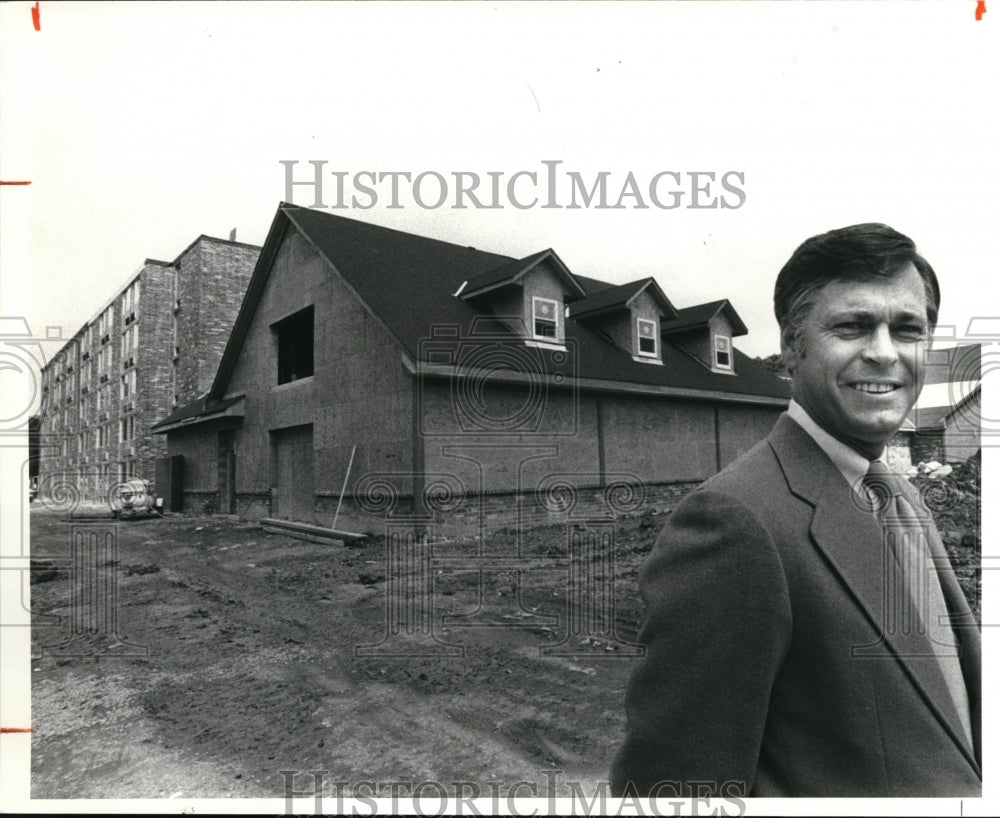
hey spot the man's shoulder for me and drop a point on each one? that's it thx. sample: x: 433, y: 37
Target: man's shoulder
x: 786, y: 458
x: 748, y: 470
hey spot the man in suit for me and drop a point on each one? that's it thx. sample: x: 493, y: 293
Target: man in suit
x: 790, y: 647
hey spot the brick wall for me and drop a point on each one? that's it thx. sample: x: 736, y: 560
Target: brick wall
x: 77, y: 404
x: 226, y: 268
x: 153, y: 361
x: 86, y: 408
x: 212, y: 278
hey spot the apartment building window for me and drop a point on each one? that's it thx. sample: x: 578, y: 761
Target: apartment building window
x: 85, y: 368
x: 723, y: 352
x: 294, y: 336
x: 130, y: 342
x: 175, y: 288
x: 130, y: 303
x: 104, y: 326
x: 103, y: 363
x: 126, y: 470
x: 127, y: 429
x: 127, y: 388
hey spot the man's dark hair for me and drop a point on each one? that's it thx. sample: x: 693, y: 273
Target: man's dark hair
x: 856, y: 253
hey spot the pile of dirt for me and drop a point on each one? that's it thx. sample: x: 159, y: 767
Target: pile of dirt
x: 955, y: 502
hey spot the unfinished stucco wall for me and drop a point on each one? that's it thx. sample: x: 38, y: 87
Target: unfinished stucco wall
x: 582, y: 438
x: 359, y: 394
x: 741, y: 426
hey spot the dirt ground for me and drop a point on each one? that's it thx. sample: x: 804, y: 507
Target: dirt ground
x: 251, y: 666
x: 235, y: 658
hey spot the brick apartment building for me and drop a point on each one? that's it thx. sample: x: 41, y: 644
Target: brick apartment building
x: 155, y: 344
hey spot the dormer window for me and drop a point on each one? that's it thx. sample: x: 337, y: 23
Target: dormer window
x: 646, y: 333
x: 544, y: 319
x: 527, y: 296
x: 723, y: 353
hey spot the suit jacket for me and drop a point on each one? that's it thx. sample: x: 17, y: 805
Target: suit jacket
x: 769, y: 666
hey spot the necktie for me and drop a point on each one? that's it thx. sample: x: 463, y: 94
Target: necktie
x: 919, y: 602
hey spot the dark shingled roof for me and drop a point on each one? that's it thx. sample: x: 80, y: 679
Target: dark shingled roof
x: 196, y: 408
x: 409, y: 283
x: 618, y: 297
x: 700, y: 314
x: 510, y: 273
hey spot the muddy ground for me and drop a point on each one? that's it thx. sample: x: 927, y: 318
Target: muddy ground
x: 252, y: 666
x: 236, y: 657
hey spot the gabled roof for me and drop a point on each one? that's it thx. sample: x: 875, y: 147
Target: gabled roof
x: 195, y: 411
x: 700, y: 314
x: 611, y: 299
x: 513, y: 272
x: 408, y: 284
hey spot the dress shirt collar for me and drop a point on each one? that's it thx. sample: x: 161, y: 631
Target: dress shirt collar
x: 849, y: 463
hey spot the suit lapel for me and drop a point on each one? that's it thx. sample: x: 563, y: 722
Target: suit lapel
x: 852, y: 541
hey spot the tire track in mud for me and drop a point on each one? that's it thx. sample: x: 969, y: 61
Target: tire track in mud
x: 252, y: 670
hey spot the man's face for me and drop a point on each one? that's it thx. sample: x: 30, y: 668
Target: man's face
x: 857, y: 367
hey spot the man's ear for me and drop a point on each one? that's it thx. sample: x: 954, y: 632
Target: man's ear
x: 789, y: 353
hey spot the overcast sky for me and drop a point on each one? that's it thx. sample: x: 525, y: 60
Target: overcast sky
x: 142, y: 126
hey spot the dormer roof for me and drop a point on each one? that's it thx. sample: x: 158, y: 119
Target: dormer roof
x: 407, y: 283
x: 613, y: 299
x: 513, y: 272
x: 699, y: 315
